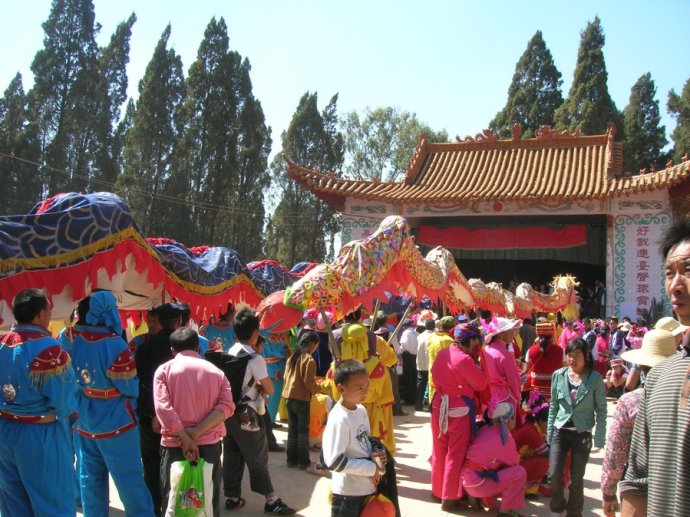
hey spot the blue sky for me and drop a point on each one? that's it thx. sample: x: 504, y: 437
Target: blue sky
x: 450, y: 62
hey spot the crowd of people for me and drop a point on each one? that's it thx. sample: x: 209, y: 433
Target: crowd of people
x: 516, y: 406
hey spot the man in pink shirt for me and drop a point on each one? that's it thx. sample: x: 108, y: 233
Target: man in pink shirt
x: 499, y: 364
x: 192, y: 399
x: 492, y: 465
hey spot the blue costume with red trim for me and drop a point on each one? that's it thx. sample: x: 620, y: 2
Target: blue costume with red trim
x: 107, y: 426
x: 36, y: 469
x: 274, y: 353
x: 222, y: 335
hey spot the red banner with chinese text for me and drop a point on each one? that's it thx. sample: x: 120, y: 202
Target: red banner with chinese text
x: 503, y: 238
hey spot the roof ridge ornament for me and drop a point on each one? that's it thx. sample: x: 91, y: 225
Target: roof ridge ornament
x: 546, y: 131
x: 486, y: 135
x: 517, y: 131
x: 416, y: 158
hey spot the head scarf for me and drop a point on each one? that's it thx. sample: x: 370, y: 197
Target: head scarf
x: 103, y: 311
x: 465, y: 331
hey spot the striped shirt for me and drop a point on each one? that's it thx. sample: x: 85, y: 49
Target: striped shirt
x: 659, y: 461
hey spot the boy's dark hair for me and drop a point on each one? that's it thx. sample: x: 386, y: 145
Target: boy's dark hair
x: 27, y: 304
x: 246, y: 322
x: 347, y: 369
x: 430, y: 324
x: 677, y: 233
x: 184, y: 338
x: 185, y: 312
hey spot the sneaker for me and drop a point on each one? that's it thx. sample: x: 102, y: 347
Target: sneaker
x: 278, y: 508
x: 510, y: 513
x: 234, y: 504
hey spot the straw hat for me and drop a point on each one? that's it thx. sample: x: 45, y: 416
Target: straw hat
x: 625, y: 326
x: 503, y: 325
x: 670, y: 325
x: 657, y: 345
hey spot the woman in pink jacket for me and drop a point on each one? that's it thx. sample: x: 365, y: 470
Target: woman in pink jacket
x: 453, y: 412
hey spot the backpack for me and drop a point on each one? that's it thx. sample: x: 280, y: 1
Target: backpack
x: 234, y: 368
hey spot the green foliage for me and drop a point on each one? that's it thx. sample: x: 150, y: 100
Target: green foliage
x: 302, y: 227
x: 589, y: 106
x: 77, y: 94
x: 223, y: 150
x: 644, y: 137
x: 18, y: 138
x: 679, y: 107
x: 379, y: 145
x: 533, y: 95
x: 150, y: 142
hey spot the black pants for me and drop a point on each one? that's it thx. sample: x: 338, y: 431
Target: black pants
x: 210, y: 454
x: 242, y: 448
x: 422, y: 381
x: 409, y: 364
x: 397, y: 408
x: 347, y: 505
x: 298, y: 432
x: 579, y: 444
x: 268, y: 424
x: 151, y: 459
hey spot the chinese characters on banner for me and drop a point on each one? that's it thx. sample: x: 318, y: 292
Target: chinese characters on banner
x: 642, y: 257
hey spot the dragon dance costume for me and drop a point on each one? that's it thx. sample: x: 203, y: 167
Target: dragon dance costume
x: 107, y: 425
x: 37, y: 389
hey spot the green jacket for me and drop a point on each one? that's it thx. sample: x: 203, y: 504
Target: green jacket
x: 589, y: 400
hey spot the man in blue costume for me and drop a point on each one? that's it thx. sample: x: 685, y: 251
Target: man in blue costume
x: 107, y: 426
x: 222, y: 333
x: 37, y: 386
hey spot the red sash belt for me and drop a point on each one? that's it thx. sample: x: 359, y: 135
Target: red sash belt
x: 469, y: 464
x: 94, y: 393
x: 29, y: 419
x: 116, y: 432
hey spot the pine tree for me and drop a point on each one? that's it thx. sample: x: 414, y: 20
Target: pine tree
x: 679, y: 108
x: 21, y: 181
x: 150, y: 142
x: 644, y: 137
x: 534, y: 94
x: 379, y: 145
x: 302, y: 227
x: 589, y: 106
x: 224, y: 148
x: 77, y: 94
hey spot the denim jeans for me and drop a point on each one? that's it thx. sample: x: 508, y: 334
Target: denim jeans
x: 298, y: 432
x: 347, y: 505
x: 579, y: 444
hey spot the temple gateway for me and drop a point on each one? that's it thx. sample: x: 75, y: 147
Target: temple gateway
x: 523, y: 210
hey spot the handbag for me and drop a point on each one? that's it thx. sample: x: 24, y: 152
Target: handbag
x: 191, y: 489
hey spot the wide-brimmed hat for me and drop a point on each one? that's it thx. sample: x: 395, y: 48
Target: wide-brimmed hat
x: 625, y: 326
x: 671, y: 325
x: 503, y: 325
x: 657, y: 345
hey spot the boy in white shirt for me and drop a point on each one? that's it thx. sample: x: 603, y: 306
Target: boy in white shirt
x: 346, y: 448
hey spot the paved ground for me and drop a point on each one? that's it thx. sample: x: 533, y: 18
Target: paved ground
x: 309, y: 494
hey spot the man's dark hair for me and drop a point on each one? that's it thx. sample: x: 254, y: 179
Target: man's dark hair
x: 430, y: 324
x: 354, y: 316
x: 185, y: 312
x: 677, y: 233
x: 586, y: 320
x: 83, y: 309
x: 381, y: 322
x: 27, y: 304
x: 246, y: 322
x: 184, y: 338
x: 347, y: 369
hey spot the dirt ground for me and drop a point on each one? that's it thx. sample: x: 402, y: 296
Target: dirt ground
x: 309, y: 493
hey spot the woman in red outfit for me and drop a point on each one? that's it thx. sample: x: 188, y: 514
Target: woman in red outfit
x: 530, y: 441
x: 544, y: 358
x: 601, y: 364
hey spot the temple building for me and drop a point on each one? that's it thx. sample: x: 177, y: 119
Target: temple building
x: 523, y: 210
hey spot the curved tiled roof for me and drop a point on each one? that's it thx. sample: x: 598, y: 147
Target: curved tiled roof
x: 551, y: 167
